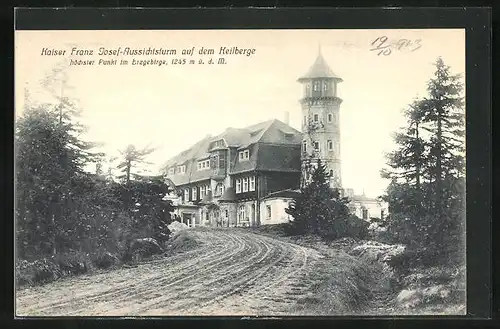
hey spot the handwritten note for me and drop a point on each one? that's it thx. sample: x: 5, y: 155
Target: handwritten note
x: 384, y: 46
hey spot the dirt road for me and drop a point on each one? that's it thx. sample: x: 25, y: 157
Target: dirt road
x: 234, y: 272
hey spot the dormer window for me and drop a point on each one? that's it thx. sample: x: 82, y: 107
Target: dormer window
x: 218, y: 143
x: 171, y: 171
x: 244, y: 155
x: 181, y: 169
x: 204, y: 164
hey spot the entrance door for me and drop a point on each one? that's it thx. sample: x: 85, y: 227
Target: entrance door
x: 187, y: 219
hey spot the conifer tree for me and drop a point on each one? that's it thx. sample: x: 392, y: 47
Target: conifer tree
x: 317, y: 206
x: 427, y: 190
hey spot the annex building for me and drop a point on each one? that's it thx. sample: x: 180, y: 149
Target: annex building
x: 248, y: 176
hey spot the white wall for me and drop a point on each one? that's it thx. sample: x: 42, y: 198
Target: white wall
x: 278, y: 214
x: 373, y: 208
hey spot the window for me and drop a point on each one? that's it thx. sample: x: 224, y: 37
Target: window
x: 238, y: 186
x: 382, y: 214
x: 222, y: 161
x: 203, y: 164
x: 330, y: 117
x: 268, y: 212
x: 219, y: 143
x: 325, y: 86
x: 186, y: 195
x: 203, y: 190
x: 181, y: 169
x: 329, y: 145
x: 241, y: 214
x: 171, y: 171
x: 316, y: 118
x: 219, y: 189
x: 245, y: 184
x: 244, y: 155
x: 315, y: 86
x: 304, y: 146
x: 331, y: 173
x: 316, y: 145
x: 252, y: 184
x: 194, y: 194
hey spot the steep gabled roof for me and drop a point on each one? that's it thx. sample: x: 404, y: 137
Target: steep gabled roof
x: 320, y: 69
x: 264, y: 140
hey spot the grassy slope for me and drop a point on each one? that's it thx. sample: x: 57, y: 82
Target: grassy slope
x: 343, y: 284
x: 351, y: 285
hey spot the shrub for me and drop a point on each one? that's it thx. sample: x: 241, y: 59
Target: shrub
x: 72, y: 263
x: 36, y: 272
x: 105, y: 259
x: 351, y: 226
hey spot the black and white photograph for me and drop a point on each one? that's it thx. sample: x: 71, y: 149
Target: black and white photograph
x: 294, y: 172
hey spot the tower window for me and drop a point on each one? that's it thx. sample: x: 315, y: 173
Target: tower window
x: 325, y: 86
x: 315, y: 86
x: 330, y: 117
x: 316, y: 118
x: 304, y: 146
x: 331, y: 173
x: 329, y: 145
x: 316, y: 145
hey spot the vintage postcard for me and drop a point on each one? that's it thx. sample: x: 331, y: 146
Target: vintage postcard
x: 240, y: 172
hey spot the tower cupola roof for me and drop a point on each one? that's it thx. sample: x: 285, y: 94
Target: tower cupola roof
x: 320, y: 69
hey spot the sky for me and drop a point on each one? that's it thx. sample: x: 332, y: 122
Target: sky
x: 171, y: 107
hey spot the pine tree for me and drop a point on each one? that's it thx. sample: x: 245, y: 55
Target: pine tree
x: 443, y: 114
x: 50, y: 160
x: 317, y: 206
x: 131, y: 157
x: 427, y: 191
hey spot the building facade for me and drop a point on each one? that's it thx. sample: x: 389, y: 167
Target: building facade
x: 249, y: 176
x: 222, y: 180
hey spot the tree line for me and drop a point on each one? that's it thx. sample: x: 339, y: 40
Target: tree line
x: 60, y: 206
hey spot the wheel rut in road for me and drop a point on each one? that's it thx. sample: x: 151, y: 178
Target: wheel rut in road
x: 233, y: 272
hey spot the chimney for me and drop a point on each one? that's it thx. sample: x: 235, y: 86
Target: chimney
x: 287, y: 117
